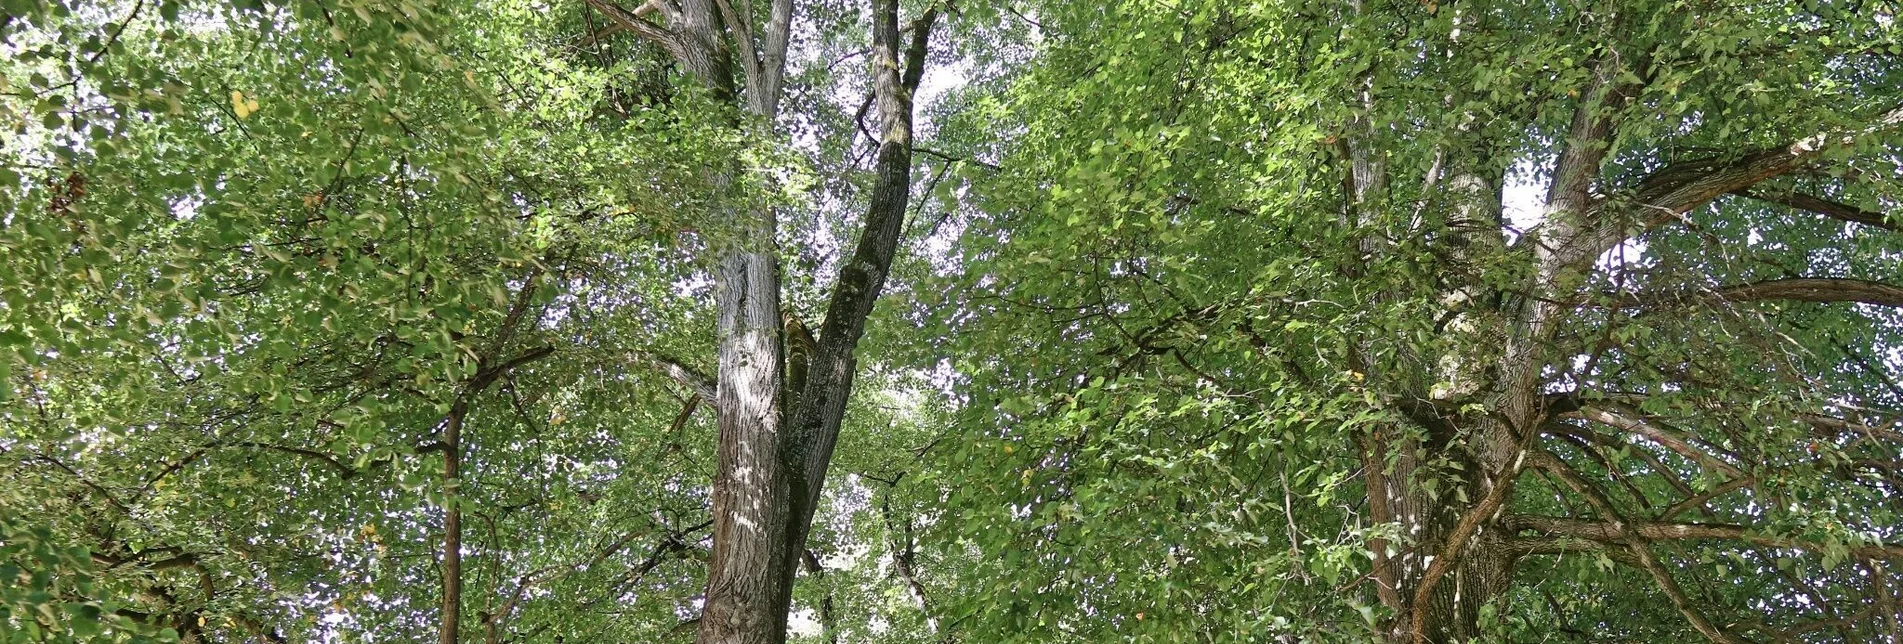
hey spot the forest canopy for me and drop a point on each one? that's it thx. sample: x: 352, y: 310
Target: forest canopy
x: 757, y: 321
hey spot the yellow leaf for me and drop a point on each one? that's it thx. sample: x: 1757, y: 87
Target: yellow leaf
x: 239, y: 105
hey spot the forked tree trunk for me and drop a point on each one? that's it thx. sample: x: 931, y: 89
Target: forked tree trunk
x: 774, y: 453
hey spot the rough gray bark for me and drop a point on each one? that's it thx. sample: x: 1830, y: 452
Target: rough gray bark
x: 750, y: 483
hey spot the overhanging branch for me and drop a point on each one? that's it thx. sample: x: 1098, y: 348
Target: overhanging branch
x: 1799, y: 289
x: 631, y: 21
x: 1662, y: 435
x: 1678, y: 188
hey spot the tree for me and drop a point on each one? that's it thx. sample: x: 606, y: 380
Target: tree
x: 1205, y: 321
x: 777, y: 433
x: 1288, y: 341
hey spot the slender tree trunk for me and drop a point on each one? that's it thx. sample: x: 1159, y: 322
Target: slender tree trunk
x: 491, y: 366
x: 452, y: 523
x: 814, y: 428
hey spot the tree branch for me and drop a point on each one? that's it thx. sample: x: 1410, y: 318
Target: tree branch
x: 1559, y: 545
x: 1699, y: 500
x: 1669, y: 438
x: 695, y: 381
x: 632, y: 21
x: 343, y: 471
x: 1801, y: 289
x: 1635, y: 541
x: 1606, y: 531
x: 1678, y: 188
x: 1825, y: 207
x: 88, y: 483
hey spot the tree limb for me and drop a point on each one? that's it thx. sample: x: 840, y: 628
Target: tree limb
x: 1801, y: 289
x: 1825, y: 207
x: 343, y: 471
x: 1559, y: 545
x: 1666, y: 531
x: 1635, y: 541
x: 695, y: 381
x: 1669, y: 438
x: 1678, y: 188
x: 1700, y: 499
x: 632, y: 21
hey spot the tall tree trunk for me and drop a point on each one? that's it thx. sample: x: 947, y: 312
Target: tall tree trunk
x: 744, y: 583
x: 1450, y: 560
x: 814, y: 430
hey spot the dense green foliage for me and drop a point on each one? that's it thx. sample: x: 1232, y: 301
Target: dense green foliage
x: 1183, y: 284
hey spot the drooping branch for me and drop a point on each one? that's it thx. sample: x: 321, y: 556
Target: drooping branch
x: 1825, y: 207
x: 95, y: 487
x: 344, y: 472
